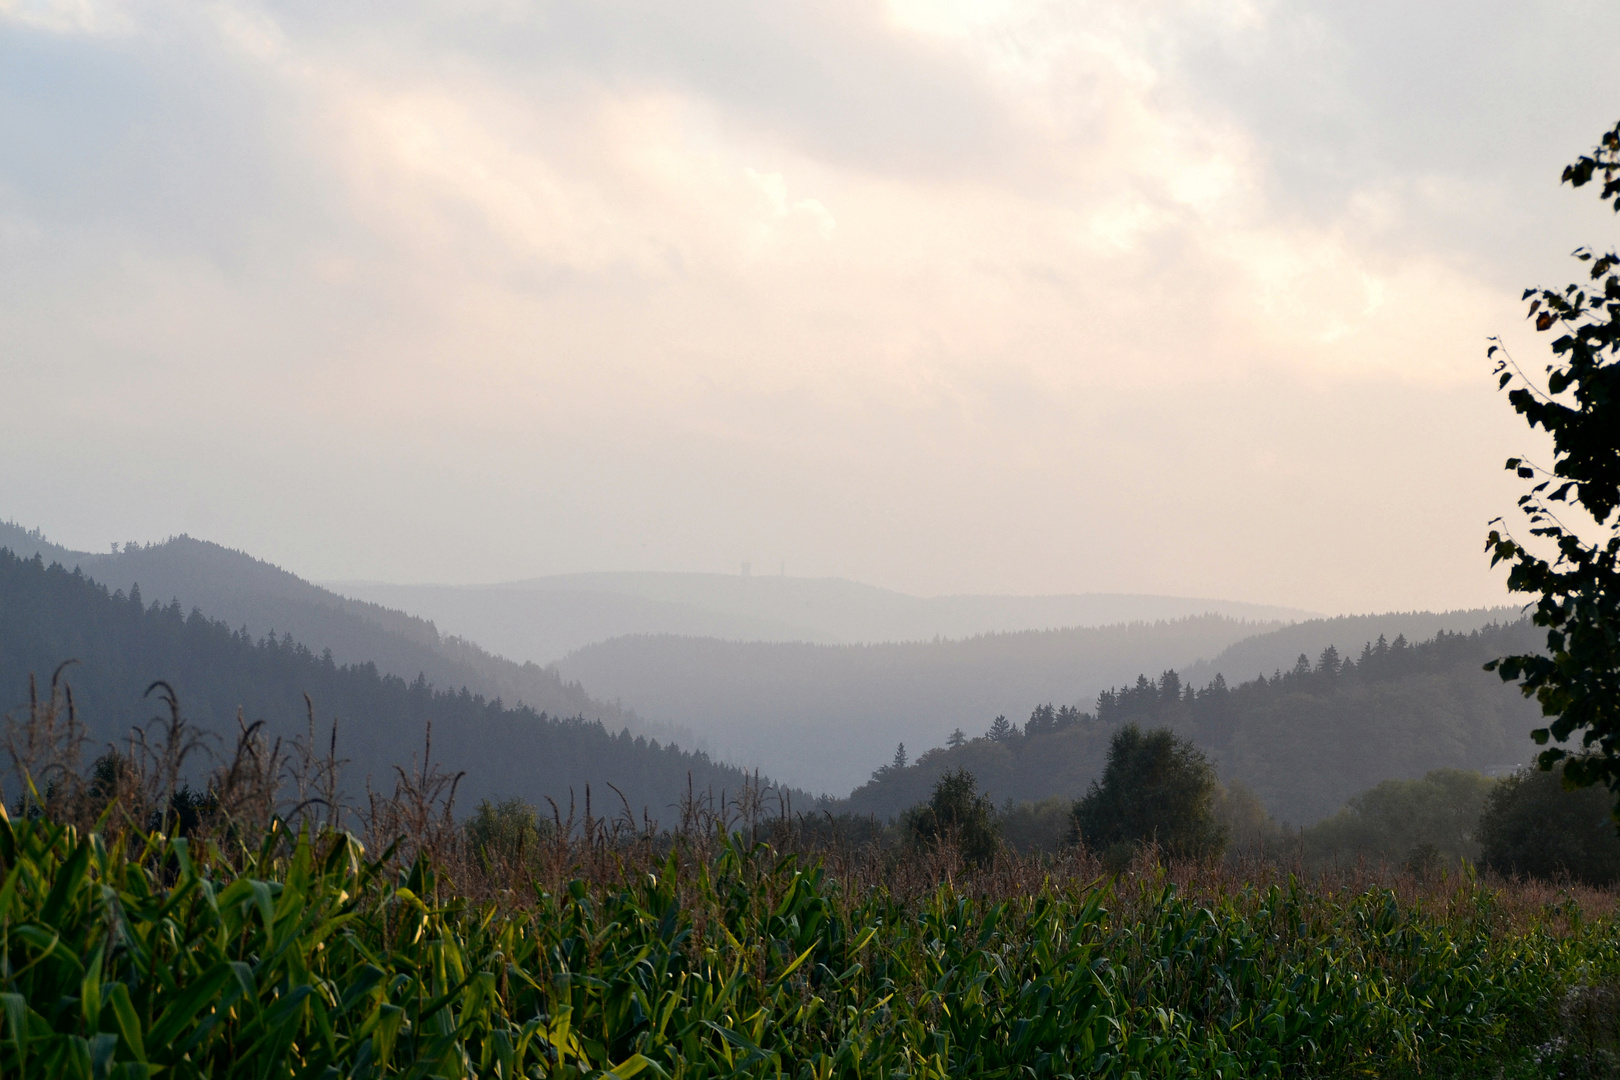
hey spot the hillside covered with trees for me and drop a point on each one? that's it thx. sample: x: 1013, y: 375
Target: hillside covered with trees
x: 49, y: 615
x: 1304, y: 739
x: 249, y: 593
x: 819, y: 715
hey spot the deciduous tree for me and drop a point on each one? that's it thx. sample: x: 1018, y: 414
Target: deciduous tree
x: 1577, y: 582
x: 1156, y: 787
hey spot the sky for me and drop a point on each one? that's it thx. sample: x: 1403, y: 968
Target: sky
x: 1161, y: 296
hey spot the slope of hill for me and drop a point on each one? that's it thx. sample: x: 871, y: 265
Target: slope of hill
x: 1277, y: 650
x: 252, y: 594
x: 50, y: 614
x: 546, y: 618
x: 1305, y: 739
x: 820, y: 716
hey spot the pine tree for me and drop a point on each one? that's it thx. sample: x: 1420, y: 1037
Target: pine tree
x: 1041, y: 721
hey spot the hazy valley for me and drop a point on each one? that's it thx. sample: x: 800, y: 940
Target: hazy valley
x: 818, y: 717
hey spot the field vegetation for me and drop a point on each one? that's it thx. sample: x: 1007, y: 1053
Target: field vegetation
x: 259, y: 927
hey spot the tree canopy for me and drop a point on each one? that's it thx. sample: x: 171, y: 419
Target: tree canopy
x: 956, y: 813
x: 1533, y: 826
x: 1156, y: 787
x: 1577, y: 680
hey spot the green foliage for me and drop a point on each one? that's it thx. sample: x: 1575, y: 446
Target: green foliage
x: 509, y: 831
x: 311, y: 961
x: 1036, y: 827
x: 1434, y: 820
x: 1577, y: 680
x: 1156, y: 788
x: 1533, y: 825
x: 1304, y: 741
x: 957, y: 814
x: 1250, y: 829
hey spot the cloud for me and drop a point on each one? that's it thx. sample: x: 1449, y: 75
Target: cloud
x: 872, y: 286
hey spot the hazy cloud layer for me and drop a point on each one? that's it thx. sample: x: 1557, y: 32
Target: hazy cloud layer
x: 1182, y: 297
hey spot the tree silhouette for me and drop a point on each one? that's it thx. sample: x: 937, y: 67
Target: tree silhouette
x: 1156, y: 787
x: 1577, y: 680
x: 956, y: 813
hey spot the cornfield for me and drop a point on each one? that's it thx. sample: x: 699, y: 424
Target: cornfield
x: 154, y: 954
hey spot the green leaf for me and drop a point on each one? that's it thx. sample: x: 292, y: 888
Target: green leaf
x: 129, y: 1025
x: 390, y: 1019
x: 102, y: 1047
x: 630, y: 1066
x: 90, y: 989
x: 185, y: 1009
x: 16, y: 1010
x: 68, y: 880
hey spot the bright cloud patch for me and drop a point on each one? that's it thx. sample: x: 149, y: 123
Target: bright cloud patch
x: 945, y: 296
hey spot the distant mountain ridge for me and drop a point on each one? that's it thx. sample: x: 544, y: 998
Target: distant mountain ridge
x: 544, y: 619
x: 246, y: 592
x: 823, y: 716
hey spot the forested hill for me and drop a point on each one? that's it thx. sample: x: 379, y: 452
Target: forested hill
x: 818, y: 715
x: 1266, y: 653
x: 49, y: 614
x: 250, y: 593
x: 1305, y: 739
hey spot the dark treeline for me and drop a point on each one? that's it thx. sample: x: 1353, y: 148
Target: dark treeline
x: 250, y: 593
x: 1304, y: 739
x: 49, y: 614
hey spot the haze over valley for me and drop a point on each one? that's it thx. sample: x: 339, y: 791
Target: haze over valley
x: 809, y: 538
x: 545, y: 619
x: 817, y: 718
x: 827, y: 393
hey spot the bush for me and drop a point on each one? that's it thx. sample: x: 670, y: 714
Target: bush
x: 1424, y: 823
x: 1535, y: 827
x: 1250, y: 829
x: 958, y: 814
x: 1156, y: 787
x: 506, y: 833
x: 1032, y: 827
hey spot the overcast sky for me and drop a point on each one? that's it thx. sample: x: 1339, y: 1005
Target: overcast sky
x: 1176, y: 297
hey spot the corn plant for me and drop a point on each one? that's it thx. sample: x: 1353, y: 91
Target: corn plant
x: 155, y: 955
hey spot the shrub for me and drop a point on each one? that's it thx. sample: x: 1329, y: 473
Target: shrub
x: 506, y: 833
x: 1424, y: 823
x: 1534, y: 826
x: 1032, y: 827
x: 1250, y: 829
